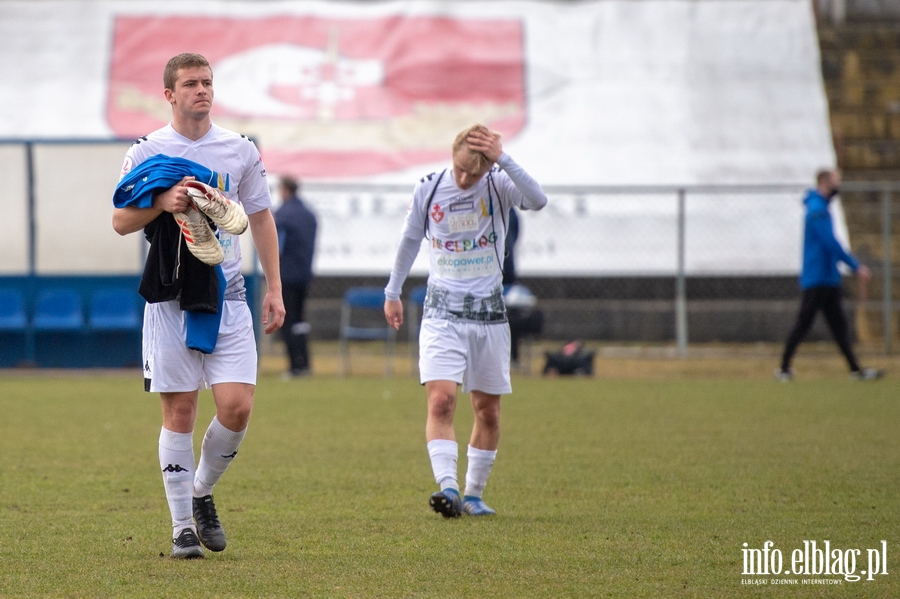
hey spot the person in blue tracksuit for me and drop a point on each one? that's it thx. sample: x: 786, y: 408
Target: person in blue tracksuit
x: 820, y: 279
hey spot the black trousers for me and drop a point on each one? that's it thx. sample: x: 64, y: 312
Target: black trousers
x: 522, y: 322
x: 828, y: 300
x: 295, y: 329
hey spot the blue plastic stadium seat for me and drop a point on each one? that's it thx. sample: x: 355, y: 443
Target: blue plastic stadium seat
x: 16, y: 340
x: 58, y: 310
x: 59, y: 331
x: 114, y: 328
x: 417, y: 295
x: 366, y: 303
x: 12, y: 310
x: 114, y: 310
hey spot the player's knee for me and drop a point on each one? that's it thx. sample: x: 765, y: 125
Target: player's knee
x: 441, y: 405
x: 235, y: 417
x: 489, y: 416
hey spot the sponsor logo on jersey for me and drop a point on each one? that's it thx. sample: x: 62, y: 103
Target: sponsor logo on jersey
x: 464, y: 206
x: 464, y: 245
x: 223, y: 182
x: 467, y: 266
x: 437, y: 213
x: 463, y: 223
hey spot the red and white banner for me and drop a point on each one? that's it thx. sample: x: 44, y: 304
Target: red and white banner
x: 330, y: 98
x: 585, y: 93
x: 618, y: 92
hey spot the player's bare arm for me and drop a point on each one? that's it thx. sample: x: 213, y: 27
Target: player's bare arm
x: 265, y: 238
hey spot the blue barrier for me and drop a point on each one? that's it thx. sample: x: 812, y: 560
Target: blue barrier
x: 76, y: 321
x: 49, y: 322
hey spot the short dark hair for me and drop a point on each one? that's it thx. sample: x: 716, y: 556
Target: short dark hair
x: 290, y: 184
x: 822, y: 175
x: 182, y: 61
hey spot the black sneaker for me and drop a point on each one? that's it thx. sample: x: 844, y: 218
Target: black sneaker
x: 446, y: 503
x: 186, y: 545
x: 209, y: 529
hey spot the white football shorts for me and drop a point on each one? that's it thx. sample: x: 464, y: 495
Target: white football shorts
x: 473, y: 354
x: 171, y: 367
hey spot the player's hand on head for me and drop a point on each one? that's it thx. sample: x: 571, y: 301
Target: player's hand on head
x: 482, y: 140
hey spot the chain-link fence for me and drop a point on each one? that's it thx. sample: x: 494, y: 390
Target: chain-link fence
x: 678, y: 264
x: 661, y: 264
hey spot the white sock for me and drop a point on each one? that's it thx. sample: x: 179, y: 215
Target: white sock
x: 219, y: 447
x: 176, y: 458
x: 479, y: 468
x: 444, y: 455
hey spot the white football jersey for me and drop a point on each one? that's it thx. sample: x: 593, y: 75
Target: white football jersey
x: 233, y: 156
x: 466, y: 231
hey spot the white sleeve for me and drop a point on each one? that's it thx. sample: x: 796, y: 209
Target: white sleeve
x: 413, y: 233
x: 526, y: 193
x: 406, y: 255
x: 253, y: 191
x: 133, y: 157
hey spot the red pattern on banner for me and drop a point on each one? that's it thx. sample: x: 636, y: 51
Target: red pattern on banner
x: 328, y: 97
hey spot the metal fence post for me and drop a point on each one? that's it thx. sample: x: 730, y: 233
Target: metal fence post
x: 887, y: 299
x: 30, y: 347
x: 681, y: 333
x: 838, y: 11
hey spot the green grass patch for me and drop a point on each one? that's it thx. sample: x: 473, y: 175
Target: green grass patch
x: 603, y: 489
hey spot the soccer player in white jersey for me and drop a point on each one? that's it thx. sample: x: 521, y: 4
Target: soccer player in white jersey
x: 174, y: 371
x: 464, y: 338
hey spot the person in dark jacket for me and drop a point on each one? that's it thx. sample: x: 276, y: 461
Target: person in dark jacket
x: 820, y: 279
x: 524, y: 318
x: 297, y: 242
x: 509, y: 257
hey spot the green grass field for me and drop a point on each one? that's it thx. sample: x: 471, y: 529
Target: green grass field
x: 604, y: 488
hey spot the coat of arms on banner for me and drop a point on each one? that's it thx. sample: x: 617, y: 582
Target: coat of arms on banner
x: 330, y: 98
